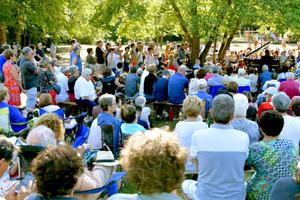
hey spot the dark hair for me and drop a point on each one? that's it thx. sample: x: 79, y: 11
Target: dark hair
x: 284, y: 69
x: 296, y: 107
x: 73, y: 41
x: 128, y: 113
x: 6, y: 149
x: 119, y: 65
x: 56, y: 170
x: 107, y: 71
x: 150, y: 48
x: 98, y: 42
x: 133, y: 70
x: 8, y: 53
x: 89, y: 50
x: 229, y: 70
x: 267, y: 52
x: 251, y: 70
x: 127, y: 48
x: 32, y: 46
x: 200, y: 73
x: 232, y: 87
x: 271, y: 122
x: 251, y: 113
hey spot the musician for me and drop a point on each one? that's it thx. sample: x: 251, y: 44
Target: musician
x: 267, y: 59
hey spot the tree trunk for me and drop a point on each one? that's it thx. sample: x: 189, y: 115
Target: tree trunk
x: 3, y: 38
x: 205, y: 52
x: 195, y: 44
x: 214, y: 51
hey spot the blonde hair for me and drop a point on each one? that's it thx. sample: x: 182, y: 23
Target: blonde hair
x: 45, y: 100
x: 53, y: 122
x: 192, y: 106
x: 154, y: 161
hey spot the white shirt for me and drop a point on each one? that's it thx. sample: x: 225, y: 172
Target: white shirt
x: 144, y: 75
x: 84, y: 88
x: 291, y: 129
x: 242, y: 81
x: 193, y: 87
x: 62, y: 81
x: 114, y: 58
x: 94, y: 139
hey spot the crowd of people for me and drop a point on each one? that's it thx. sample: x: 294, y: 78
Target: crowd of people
x: 233, y: 118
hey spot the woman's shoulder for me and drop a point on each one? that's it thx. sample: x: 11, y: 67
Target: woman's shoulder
x: 123, y: 197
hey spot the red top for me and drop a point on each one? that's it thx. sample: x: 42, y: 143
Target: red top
x: 264, y: 107
x: 290, y: 87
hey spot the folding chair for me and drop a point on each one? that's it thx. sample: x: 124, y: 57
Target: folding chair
x: 81, y: 136
x: 4, y: 120
x: 108, y: 138
x: 60, y: 112
x: 70, y: 132
x: 110, y: 188
x: 241, y: 89
x: 213, y: 90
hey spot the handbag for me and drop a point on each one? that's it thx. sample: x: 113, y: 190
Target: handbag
x: 56, y: 87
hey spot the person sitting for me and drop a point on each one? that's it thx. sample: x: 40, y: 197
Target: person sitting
x: 203, y: 95
x: 140, y: 158
x: 216, y: 79
x: 46, y: 106
x: 6, y: 154
x: 74, y: 73
x: 84, y: 91
x: 130, y: 126
x: 41, y: 136
x: 270, y: 91
x: 52, y: 166
x: 264, y: 76
x: 214, y: 148
x: 281, y: 103
x: 290, y: 86
x: 15, y: 116
x: 107, y: 103
x: 178, y: 83
x: 241, y: 80
x: 286, y: 187
x: 273, y: 82
x: 240, y: 122
x: 108, y: 82
x: 296, y: 108
x: 52, y: 121
x: 132, y: 83
x: 146, y: 111
x: 192, y: 107
x: 62, y: 81
x: 282, y: 76
x: 150, y: 79
x: 271, y: 158
x: 160, y: 91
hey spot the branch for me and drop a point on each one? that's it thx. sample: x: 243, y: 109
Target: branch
x: 180, y: 19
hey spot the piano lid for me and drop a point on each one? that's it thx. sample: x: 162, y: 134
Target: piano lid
x: 259, y: 48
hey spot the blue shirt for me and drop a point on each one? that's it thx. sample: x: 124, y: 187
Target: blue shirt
x: 2, y: 61
x: 15, y: 116
x: 207, y: 97
x: 215, y: 80
x: 177, y: 84
x: 221, y: 152
x: 263, y: 77
x: 107, y: 119
x: 131, y: 84
x: 130, y: 129
x: 160, y: 89
x: 78, y: 63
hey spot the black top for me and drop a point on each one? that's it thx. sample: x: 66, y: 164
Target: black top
x: 99, y: 55
x: 267, y: 60
x: 71, y: 84
x: 148, y: 84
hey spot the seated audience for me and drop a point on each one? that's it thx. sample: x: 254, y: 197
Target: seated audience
x: 160, y: 87
x: 132, y: 83
x: 178, y: 83
x: 62, y: 81
x: 282, y: 76
x: 203, y: 95
x: 52, y: 166
x: 150, y: 79
x: 253, y: 80
x: 241, y: 80
x: 15, y: 116
x: 273, y: 82
x: 184, y: 130
x: 46, y: 106
x: 240, y: 122
x: 140, y: 158
x: 146, y: 111
x: 264, y: 76
x: 271, y: 158
x: 84, y: 91
x: 6, y: 154
x: 287, y: 187
x: 108, y: 81
x: 215, y: 148
x: 281, y: 103
x: 270, y: 91
x: 290, y: 86
x: 74, y: 74
x: 52, y: 121
x: 296, y: 108
x: 130, y: 125
x: 216, y: 79
x: 41, y: 136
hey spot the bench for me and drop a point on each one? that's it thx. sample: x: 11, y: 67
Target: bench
x: 172, y: 109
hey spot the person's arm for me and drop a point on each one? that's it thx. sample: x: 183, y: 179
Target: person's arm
x: 15, y: 73
x: 74, y: 61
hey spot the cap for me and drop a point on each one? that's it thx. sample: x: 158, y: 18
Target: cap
x: 106, y: 158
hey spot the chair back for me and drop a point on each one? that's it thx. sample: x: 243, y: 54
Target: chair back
x: 213, y: 90
x: 81, y: 136
x: 282, y: 80
x: 60, y: 112
x: 108, y: 137
x: 4, y: 120
x: 241, y: 89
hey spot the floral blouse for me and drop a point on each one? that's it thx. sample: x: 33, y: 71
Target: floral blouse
x: 46, y: 79
x: 271, y: 160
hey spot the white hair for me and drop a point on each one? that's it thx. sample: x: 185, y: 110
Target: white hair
x: 140, y: 101
x: 241, y: 72
x: 290, y: 75
x: 86, y: 72
x: 265, y: 68
x: 241, y: 105
x: 41, y: 135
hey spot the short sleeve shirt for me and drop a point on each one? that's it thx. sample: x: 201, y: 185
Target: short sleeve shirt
x: 29, y: 79
x: 177, y: 84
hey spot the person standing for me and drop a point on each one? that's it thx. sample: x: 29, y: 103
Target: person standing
x: 12, y: 78
x: 100, y: 55
x: 75, y: 58
x: 29, y: 74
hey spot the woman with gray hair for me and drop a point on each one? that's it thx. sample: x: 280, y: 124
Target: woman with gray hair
x: 84, y: 91
x: 240, y: 122
x: 281, y: 103
x: 47, y: 78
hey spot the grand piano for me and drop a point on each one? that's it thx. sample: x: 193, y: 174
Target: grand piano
x: 258, y: 63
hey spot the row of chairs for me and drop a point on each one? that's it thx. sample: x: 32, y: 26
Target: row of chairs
x: 213, y: 90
